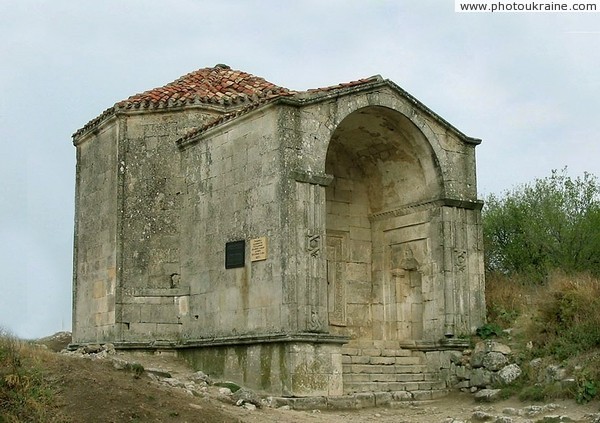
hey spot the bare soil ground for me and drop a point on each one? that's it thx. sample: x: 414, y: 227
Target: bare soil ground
x: 94, y: 391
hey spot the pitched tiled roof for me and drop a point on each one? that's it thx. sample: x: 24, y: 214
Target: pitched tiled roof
x: 302, y: 95
x: 234, y: 91
x: 218, y: 85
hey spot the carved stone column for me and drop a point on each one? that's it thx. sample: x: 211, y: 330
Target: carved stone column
x: 312, y: 277
x: 449, y: 282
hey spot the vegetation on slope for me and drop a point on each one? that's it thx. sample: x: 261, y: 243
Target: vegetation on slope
x: 25, y: 394
x: 550, y: 224
x: 543, y: 277
x: 557, y: 324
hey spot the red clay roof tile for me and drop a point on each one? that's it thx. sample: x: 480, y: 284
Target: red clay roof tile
x: 219, y: 84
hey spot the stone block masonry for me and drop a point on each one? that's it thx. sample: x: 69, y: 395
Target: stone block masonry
x: 364, y: 201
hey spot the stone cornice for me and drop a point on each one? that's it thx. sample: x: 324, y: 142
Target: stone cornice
x: 224, y: 341
x: 311, y: 178
x: 427, y: 205
x: 441, y: 345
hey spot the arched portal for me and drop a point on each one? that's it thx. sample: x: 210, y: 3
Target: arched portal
x: 378, y: 245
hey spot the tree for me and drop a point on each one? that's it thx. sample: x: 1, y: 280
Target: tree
x: 553, y: 223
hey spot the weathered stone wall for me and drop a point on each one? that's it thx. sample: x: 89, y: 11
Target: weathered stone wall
x: 232, y: 192
x: 95, y: 249
x: 154, y: 297
x: 410, y: 294
x: 368, y: 205
x: 281, y: 368
x: 349, y: 248
x: 456, y: 158
x: 463, y: 268
x: 490, y: 364
x: 402, y: 252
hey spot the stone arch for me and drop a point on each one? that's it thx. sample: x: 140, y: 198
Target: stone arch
x: 395, y: 104
x: 385, y: 144
x: 382, y: 165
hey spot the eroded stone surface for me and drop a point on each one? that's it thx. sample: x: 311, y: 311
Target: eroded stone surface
x: 365, y: 205
x: 509, y: 374
x: 494, y: 361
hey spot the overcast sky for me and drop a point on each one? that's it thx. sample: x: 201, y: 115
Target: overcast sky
x: 527, y: 84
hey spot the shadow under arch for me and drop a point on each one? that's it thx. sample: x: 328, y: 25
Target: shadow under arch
x: 384, y: 145
x: 382, y: 165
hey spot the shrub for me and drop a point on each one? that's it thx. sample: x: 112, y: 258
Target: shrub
x: 553, y: 223
x: 488, y: 330
x: 136, y: 368
x: 542, y: 260
x: 562, y: 322
x: 586, y: 391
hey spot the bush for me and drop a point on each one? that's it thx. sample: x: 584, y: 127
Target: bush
x: 488, y: 330
x: 586, y: 391
x: 542, y: 258
x: 136, y: 368
x: 553, y: 223
x: 565, y: 328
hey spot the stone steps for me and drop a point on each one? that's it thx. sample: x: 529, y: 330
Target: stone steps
x: 358, y: 400
x: 356, y: 387
x: 388, y: 368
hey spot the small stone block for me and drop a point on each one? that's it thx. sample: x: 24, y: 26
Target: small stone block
x: 365, y: 400
x: 382, y: 399
x: 283, y: 402
x: 487, y: 395
x: 341, y: 402
x: 380, y: 377
x: 422, y: 395
x: 383, y: 360
x: 402, y: 396
x: 310, y: 403
x: 360, y: 359
x: 358, y: 378
x: 408, y: 360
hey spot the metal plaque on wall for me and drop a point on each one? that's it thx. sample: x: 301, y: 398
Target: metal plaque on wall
x: 235, y: 254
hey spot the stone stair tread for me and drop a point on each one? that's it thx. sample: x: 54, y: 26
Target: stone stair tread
x: 419, y: 389
x: 374, y: 368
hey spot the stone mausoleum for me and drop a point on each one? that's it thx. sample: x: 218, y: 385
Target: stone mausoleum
x: 302, y: 243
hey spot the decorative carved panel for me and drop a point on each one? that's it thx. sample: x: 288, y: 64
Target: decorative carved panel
x: 336, y: 285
